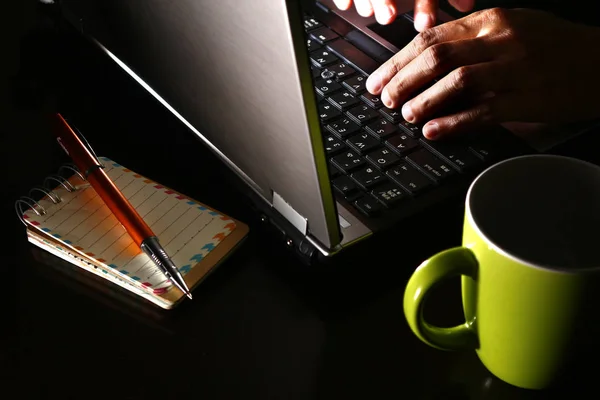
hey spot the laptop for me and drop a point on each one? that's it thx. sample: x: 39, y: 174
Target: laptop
x: 276, y: 89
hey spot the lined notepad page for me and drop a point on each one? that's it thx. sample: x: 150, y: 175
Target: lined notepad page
x: 186, y: 229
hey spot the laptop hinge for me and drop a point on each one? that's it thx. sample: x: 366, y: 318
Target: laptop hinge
x: 293, y: 216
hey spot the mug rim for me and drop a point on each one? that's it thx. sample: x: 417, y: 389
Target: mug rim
x: 505, y: 253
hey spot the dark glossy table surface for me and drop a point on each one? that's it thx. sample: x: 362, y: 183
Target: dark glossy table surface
x: 262, y: 326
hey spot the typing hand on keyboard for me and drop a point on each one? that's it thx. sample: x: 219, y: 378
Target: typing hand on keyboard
x: 385, y: 10
x: 377, y: 160
x: 490, y: 67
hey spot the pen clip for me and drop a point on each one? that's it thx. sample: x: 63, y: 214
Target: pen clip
x: 89, y: 147
x: 84, y: 142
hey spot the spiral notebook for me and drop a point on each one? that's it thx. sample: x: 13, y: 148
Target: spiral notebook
x: 72, y: 222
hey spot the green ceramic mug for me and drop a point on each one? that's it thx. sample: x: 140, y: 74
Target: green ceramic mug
x: 529, y: 266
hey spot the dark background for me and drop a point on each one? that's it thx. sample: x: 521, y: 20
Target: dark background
x: 263, y: 326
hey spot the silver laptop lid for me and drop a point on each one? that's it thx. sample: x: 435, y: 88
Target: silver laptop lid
x: 236, y: 73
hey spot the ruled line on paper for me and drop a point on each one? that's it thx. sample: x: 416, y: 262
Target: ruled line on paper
x: 187, y: 230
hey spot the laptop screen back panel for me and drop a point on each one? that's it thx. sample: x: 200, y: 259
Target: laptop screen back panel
x: 237, y: 74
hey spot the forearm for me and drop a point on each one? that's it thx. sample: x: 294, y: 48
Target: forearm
x: 582, y: 11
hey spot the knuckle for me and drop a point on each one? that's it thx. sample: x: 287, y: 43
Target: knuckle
x: 452, y: 123
x: 437, y: 57
x: 424, y: 40
x: 460, y: 28
x: 497, y: 15
x: 392, y: 89
x: 396, y: 87
x: 484, y: 113
x: 393, y: 66
x: 463, y: 78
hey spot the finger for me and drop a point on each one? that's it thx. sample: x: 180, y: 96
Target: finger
x: 385, y: 11
x: 363, y: 8
x: 459, y: 123
x: 454, y: 30
x: 511, y: 106
x: 464, y: 83
x: 434, y: 62
x: 343, y: 4
x: 462, y: 5
x: 425, y: 14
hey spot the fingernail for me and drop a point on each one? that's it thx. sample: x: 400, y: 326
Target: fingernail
x: 390, y: 11
x: 384, y: 15
x: 407, y: 113
x: 386, y: 99
x: 422, y: 21
x: 431, y: 130
x: 374, y: 83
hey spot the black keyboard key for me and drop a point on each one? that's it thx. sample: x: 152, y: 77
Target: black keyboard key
x: 322, y: 58
x: 333, y: 145
x: 343, y: 100
x: 327, y: 74
x: 381, y: 128
x: 429, y: 163
x: 368, y: 177
x: 383, y: 158
x: 368, y: 206
x: 353, y: 196
x: 325, y: 87
x: 457, y: 153
x: 343, y: 128
x: 402, y: 143
x: 312, y: 45
x: 485, y: 152
x: 347, y: 161
x: 409, y: 178
x: 333, y: 171
x: 344, y: 185
x: 327, y: 112
x: 354, y: 56
x: 362, y: 142
x: 371, y: 99
x: 316, y: 72
x: 341, y: 71
x: 411, y: 129
x: 392, y: 115
x: 356, y: 84
x: 323, y: 35
x: 388, y: 194
x: 362, y: 114
x: 492, y: 144
x: 311, y: 23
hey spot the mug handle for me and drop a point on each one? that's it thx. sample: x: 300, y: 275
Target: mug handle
x: 444, y: 265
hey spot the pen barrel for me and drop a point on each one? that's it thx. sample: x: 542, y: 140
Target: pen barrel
x: 120, y: 206
x: 90, y: 167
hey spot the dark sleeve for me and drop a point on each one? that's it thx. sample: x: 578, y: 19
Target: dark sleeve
x: 581, y: 11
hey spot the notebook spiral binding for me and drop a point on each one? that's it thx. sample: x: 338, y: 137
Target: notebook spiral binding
x: 28, y: 202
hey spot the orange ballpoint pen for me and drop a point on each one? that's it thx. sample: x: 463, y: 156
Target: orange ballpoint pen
x: 84, y: 158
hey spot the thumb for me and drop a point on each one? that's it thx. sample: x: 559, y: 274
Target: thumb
x: 462, y: 5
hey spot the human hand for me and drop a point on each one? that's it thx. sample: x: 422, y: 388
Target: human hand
x: 497, y: 66
x: 385, y: 10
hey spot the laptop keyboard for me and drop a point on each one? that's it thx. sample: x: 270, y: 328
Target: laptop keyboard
x: 377, y: 160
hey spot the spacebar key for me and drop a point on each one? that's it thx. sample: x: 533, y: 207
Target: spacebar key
x: 354, y: 56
